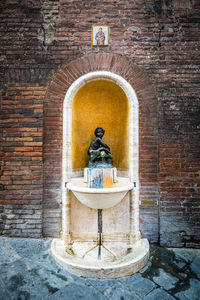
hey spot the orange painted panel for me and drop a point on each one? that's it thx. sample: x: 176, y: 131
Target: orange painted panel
x: 108, y: 178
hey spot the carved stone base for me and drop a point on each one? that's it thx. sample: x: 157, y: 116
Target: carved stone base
x: 85, y: 263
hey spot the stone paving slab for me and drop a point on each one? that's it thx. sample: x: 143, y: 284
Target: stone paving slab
x: 195, y: 266
x: 159, y: 294
x: 138, y: 284
x: 28, y: 271
x: 166, y: 280
x: 191, y: 292
x: 77, y: 290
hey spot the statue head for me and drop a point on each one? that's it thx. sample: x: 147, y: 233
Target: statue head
x: 99, y: 132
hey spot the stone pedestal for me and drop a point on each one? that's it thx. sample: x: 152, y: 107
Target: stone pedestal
x: 118, y: 260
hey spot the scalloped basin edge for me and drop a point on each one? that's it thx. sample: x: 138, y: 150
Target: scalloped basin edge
x: 100, y: 198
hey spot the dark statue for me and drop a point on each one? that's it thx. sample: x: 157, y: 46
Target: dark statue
x: 99, y: 152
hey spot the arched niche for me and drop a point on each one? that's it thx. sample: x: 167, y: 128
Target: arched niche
x: 85, y: 108
x: 131, y: 127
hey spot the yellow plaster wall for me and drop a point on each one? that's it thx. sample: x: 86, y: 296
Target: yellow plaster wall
x: 100, y: 103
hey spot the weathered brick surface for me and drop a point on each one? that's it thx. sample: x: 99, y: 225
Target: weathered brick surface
x: 48, y: 44
x: 21, y: 180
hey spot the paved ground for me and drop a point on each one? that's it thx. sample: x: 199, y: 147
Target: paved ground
x: 27, y: 271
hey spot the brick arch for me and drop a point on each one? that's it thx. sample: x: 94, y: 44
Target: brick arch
x: 53, y: 108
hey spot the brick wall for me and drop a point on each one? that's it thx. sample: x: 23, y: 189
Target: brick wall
x: 39, y: 38
x: 21, y: 160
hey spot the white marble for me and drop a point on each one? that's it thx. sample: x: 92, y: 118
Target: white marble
x: 123, y: 251
x: 132, y: 260
x: 133, y: 142
x: 100, y: 198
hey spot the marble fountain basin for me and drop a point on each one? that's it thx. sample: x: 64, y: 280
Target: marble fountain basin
x: 100, y: 198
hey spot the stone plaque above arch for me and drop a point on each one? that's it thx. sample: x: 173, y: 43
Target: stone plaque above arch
x: 53, y: 114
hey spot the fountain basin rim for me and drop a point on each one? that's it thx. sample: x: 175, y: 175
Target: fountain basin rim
x: 99, y: 198
x: 126, y: 187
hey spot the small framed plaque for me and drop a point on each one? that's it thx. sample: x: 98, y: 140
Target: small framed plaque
x: 100, y: 35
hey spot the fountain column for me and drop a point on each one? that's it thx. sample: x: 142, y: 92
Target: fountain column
x: 66, y: 212
x: 67, y: 158
x: 134, y: 217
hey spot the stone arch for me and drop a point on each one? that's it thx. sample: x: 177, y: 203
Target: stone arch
x: 53, y: 112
